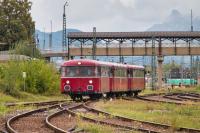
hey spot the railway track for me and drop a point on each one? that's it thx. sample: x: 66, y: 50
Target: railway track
x: 97, y: 116
x: 43, y: 103
x: 62, y: 118
x: 34, y: 121
x: 63, y: 121
x: 31, y: 121
x: 185, y: 97
x: 4, y: 119
x: 174, y: 98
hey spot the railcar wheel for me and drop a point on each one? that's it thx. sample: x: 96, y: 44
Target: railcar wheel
x: 92, y: 97
x: 73, y: 97
x: 81, y: 98
x: 95, y: 96
x: 136, y: 94
x: 130, y: 93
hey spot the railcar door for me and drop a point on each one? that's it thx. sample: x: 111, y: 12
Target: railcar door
x: 130, y: 76
x: 111, y: 78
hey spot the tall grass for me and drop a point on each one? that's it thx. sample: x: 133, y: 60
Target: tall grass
x: 171, y: 114
x: 42, y: 78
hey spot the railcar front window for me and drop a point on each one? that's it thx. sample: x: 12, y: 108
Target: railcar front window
x: 79, y: 71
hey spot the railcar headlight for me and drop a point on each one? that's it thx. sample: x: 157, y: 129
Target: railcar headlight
x: 90, y: 81
x: 67, y: 82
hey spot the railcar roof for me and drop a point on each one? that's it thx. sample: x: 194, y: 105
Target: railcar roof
x: 88, y: 62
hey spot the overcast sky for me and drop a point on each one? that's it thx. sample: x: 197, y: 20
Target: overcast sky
x: 108, y: 15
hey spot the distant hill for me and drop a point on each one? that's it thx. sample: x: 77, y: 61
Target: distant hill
x: 56, y: 38
x: 177, y: 22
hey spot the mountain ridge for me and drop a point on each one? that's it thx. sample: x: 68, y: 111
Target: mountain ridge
x: 177, y: 22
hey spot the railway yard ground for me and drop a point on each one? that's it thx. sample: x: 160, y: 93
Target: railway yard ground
x: 164, y: 113
x: 182, y: 112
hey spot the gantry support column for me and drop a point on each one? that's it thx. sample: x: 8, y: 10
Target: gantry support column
x: 121, y: 60
x: 160, y: 64
x: 160, y: 71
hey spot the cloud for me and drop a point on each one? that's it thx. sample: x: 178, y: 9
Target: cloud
x: 108, y: 15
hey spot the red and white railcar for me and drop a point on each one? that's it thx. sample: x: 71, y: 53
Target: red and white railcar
x: 94, y: 78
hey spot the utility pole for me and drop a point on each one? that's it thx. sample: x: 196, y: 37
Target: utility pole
x: 191, y: 57
x: 191, y: 21
x: 44, y: 40
x: 64, y: 43
x: 50, y: 38
x: 37, y: 42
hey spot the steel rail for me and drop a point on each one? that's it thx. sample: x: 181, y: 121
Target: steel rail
x: 176, y: 97
x: 43, y: 103
x: 56, y: 129
x: 189, y: 97
x: 194, y: 95
x: 152, y: 100
x: 181, y: 129
x: 185, y: 129
x: 15, y: 118
x: 71, y: 110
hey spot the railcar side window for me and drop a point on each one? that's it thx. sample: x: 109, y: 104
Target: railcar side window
x: 123, y: 72
x: 138, y: 73
x: 120, y: 72
x: 63, y: 71
x: 80, y: 71
x: 104, y: 71
x: 98, y: 71
x: 117, y: 72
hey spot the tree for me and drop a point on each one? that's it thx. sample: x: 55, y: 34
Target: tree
x: 16, y: 23
x: 25, y: 48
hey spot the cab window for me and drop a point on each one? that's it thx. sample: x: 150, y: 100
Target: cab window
x: 79, y: 71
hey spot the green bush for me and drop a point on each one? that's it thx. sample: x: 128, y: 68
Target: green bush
x: 41, y: 77
x: 25, y: 48
x: 198, y: 88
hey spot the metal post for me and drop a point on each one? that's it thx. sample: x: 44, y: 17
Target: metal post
x: 191, y: 21
x: 182, y: 63
x: 64, y: 27
x: 191, y: 70
x: 82, y: 42
x: 107, y: 52
x: 189, y: 41
x: 191, y: 62
x: 69, y: 43
x: 144, y: 57
x: 120, y: 52
x: 37, y: 42
x: 50, y: 38
x: 133, y: 43
x: 160, y: 61
x: 174, y: 41
x: 94, y: 44
x: 153, y: 65
x: 44, y: 40
x: 24, y: 77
